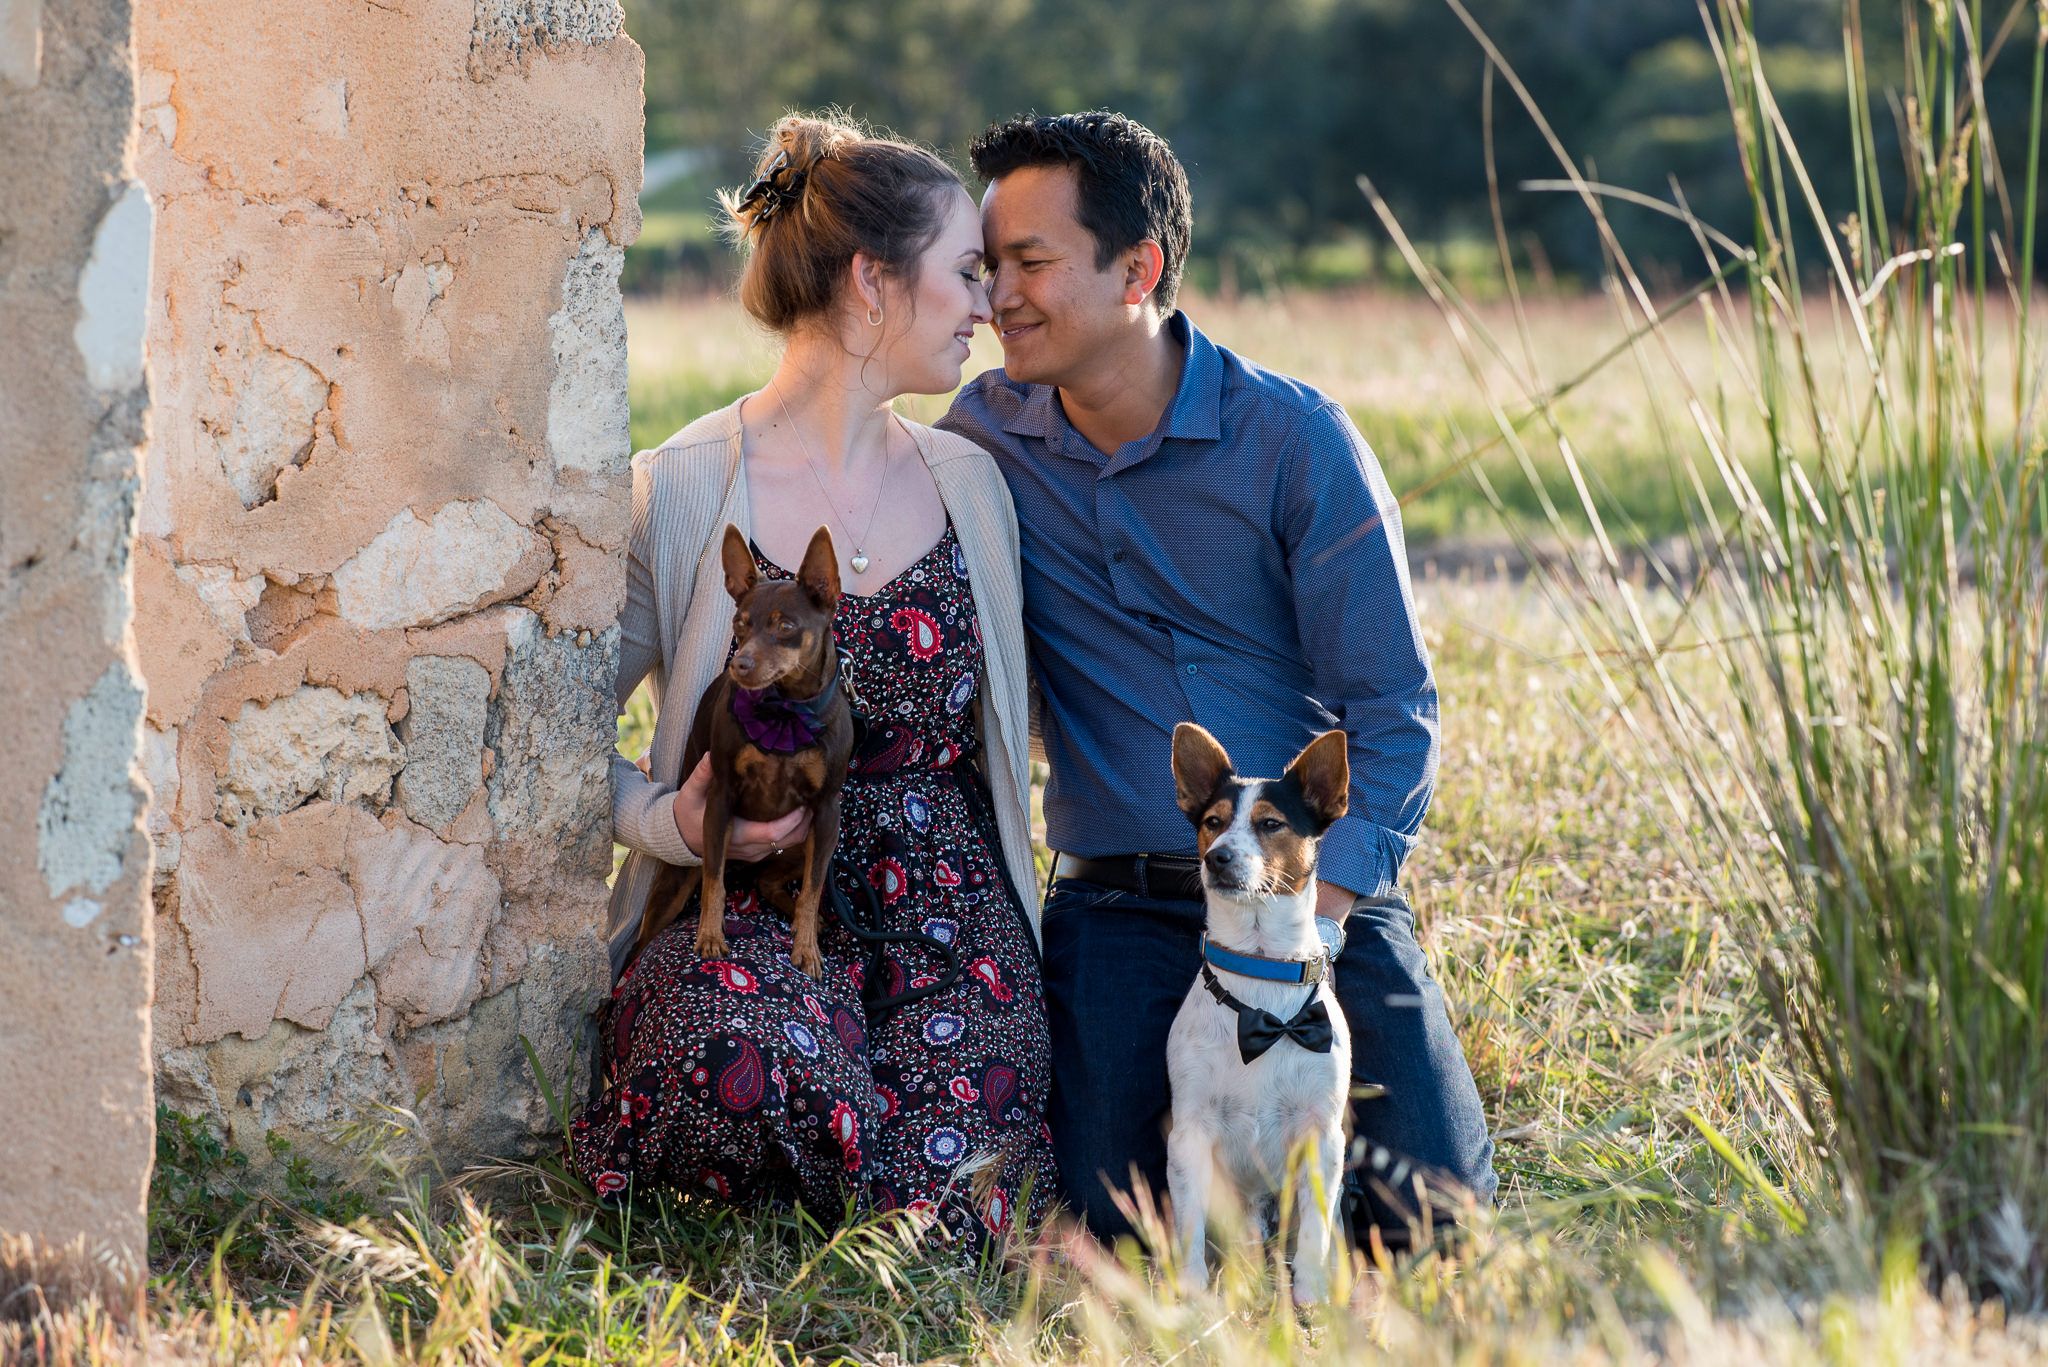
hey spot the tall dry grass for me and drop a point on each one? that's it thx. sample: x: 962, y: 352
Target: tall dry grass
x: 1867, y: 796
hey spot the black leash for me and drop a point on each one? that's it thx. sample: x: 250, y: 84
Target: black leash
x: 868, y: 930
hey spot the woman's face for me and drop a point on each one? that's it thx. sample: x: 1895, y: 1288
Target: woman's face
x: 930, y: 315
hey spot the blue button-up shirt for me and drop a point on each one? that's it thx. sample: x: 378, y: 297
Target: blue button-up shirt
x: 1241, y: 567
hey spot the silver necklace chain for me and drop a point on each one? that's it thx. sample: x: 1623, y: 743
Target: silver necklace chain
x: 859, y: 559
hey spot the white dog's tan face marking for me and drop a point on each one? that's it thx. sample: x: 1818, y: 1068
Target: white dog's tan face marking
x: 1258, y: 837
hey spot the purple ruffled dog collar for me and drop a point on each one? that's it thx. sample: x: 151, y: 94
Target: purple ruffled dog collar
x: 782, y: 725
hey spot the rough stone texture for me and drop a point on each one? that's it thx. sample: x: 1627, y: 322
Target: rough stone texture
x: 447, y: 699
x: 75, y: 950
x: 588, y: 424
x: 417, y: 573
x: 380, y: 529
x: 312, y: 743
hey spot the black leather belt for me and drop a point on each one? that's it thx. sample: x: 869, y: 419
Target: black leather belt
x: 1173, y: 876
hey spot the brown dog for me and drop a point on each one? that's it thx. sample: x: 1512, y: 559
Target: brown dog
x: 779, y: 732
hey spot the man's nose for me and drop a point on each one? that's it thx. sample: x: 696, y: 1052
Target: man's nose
x: 1002, y: 289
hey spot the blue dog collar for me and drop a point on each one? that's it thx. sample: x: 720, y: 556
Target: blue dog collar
x: 1300, y: 971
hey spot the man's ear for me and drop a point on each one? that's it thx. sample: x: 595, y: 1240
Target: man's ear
x: 1324, y: 772
x: 1143, y: 265
x: 819, y: 574
x: 740, y: 574
x: 1200, y: 765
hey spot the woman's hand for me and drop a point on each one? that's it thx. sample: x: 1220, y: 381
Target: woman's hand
x: 749, y: 840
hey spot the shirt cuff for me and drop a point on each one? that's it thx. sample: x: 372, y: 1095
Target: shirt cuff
x: 643, y: 815
x: 1361, y: 856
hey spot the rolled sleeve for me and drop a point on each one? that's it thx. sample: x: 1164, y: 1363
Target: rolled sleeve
x: 1342, y: 528
x: 643, y: 815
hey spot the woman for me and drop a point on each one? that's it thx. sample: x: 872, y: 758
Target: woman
x: 741, y: 1076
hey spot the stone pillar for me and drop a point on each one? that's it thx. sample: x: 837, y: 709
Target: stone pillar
x: 378, y: 569
x: 75, y: 1133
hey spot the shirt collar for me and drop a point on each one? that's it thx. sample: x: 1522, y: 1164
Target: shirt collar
x: 1194, y: 415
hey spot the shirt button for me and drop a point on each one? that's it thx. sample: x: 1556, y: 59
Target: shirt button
x: 1191, y: 669
x: 1116, y: 556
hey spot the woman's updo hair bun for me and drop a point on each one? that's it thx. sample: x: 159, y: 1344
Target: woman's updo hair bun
x: 824, y: 190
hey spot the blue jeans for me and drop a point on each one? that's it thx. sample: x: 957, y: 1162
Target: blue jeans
x: 1117, y: 967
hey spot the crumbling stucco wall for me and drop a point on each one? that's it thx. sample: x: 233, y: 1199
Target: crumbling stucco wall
x: 74, y: 933
x: 378, y: 567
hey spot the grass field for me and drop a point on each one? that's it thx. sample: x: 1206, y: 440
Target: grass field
x: 1661, y: 1199
x: 1612, y: 1024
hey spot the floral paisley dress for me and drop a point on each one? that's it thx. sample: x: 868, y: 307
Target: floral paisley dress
x: 744, y: 1079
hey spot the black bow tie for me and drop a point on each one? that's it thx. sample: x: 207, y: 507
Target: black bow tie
x: 1258, y: 1031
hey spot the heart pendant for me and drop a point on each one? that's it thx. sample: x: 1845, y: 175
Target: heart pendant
x: 859, y: 562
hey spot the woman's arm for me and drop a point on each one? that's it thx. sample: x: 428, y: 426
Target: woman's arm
x: 643, y: 809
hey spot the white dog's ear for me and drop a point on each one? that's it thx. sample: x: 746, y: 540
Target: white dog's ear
x: 1323, y: 770
x: 1200, y: 765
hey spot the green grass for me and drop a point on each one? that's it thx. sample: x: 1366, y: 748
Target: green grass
x: 1612, y: 1019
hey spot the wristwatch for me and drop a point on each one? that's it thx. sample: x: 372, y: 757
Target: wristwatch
x: 1331, y: 933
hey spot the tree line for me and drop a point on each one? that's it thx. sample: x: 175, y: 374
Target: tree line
x: 1277, y: 106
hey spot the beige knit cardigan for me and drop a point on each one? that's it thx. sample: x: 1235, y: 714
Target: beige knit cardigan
x: 677, y: 627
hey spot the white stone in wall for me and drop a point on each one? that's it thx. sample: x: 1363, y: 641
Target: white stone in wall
x: 227, y: 595
x: 326, y: 108
x: 416, y: 573
x: 87, y: 814
x: 113, y: 294
x: 21, y: 43
x: 277, y: 401
x: 160, y: 771
x: 588, y: 424
x: 316, y: 742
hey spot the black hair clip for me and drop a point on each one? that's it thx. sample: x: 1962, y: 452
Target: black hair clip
x: 766, y: 198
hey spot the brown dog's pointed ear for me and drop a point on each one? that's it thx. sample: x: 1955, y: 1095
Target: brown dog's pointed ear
x: 1324, y: 772
x: 740, y: 574
x: 819, y: 574
x: 1200, y: 765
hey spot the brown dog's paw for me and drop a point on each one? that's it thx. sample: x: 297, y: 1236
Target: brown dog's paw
x: 710, y: 942
x: 806, y: 957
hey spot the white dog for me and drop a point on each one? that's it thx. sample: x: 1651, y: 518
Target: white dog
x: 1259, y: 1056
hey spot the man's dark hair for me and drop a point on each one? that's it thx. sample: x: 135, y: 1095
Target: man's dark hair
x: 1131, y: 185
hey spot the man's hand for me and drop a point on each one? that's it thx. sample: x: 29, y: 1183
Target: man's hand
x: 1334, y: 902
x: 749, y: 840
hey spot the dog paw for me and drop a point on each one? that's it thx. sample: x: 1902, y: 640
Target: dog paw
x: 807, y: 958
x: 710, y: 943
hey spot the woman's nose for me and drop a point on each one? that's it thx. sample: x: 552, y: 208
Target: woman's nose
x: 984, y: 308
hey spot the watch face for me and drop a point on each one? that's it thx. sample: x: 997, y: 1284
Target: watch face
x: 1332, y: 936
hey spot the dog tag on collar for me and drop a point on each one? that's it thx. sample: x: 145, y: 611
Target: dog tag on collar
x: 859, y: 562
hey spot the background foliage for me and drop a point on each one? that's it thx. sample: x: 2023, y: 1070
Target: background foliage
x: 1277, y: 106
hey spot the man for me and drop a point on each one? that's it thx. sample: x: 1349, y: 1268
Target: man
x: 1203, y: 540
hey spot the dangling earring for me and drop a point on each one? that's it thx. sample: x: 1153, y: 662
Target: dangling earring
x: 875, y: 316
